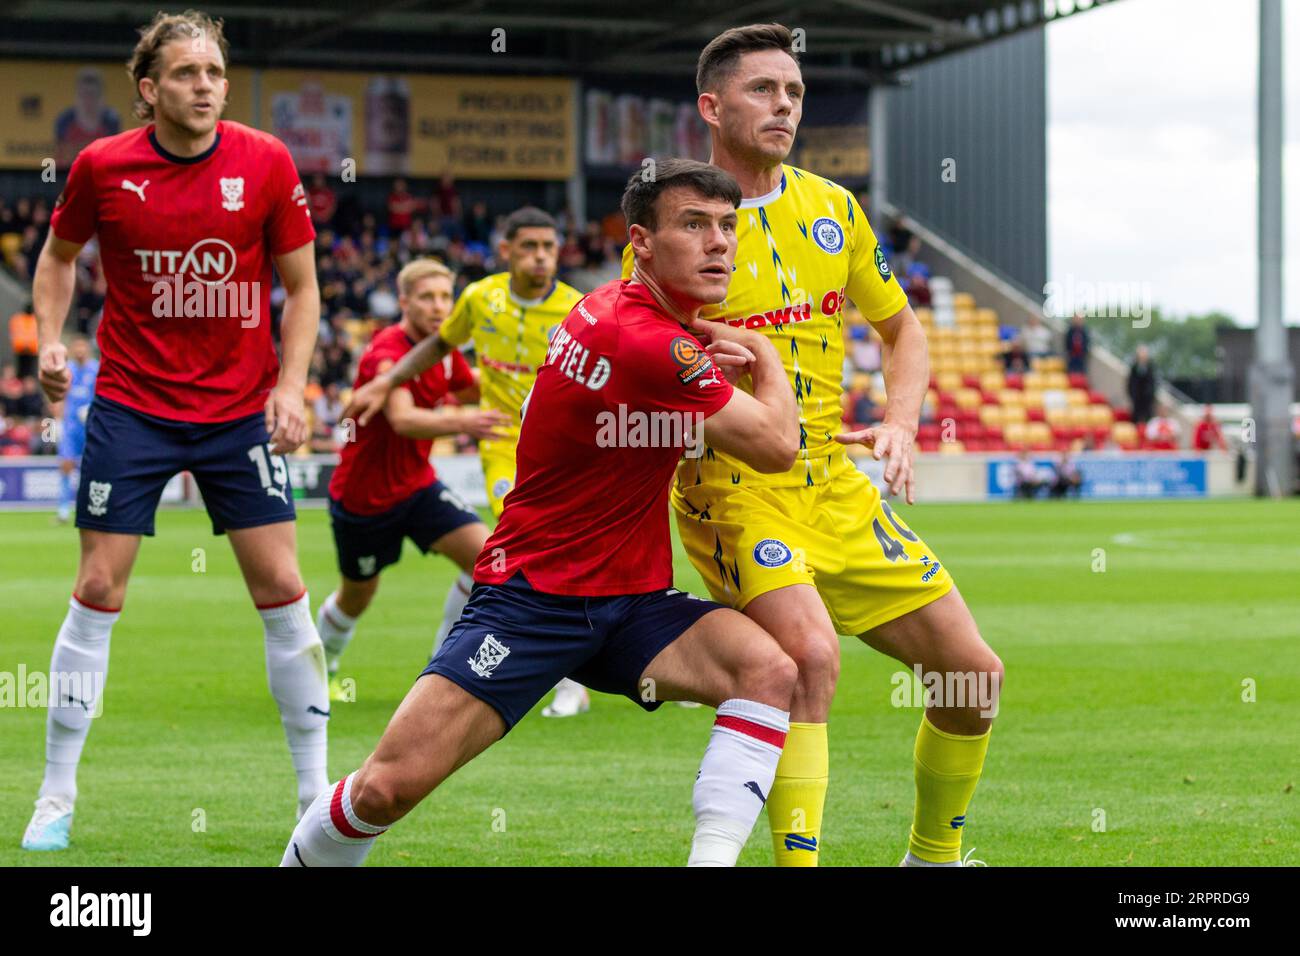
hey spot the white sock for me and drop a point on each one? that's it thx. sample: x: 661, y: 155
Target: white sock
x: 330, y: 833
x: 735, y: 778
x: 457, y: 596
x: 295, y: 671
x: 78, y: 668
x: 336, y: 629
x: 911, y: 860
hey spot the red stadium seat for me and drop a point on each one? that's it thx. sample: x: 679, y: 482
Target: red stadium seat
x: 1035, y: 414
x: 1097, y: 398
x: 1015, y: 380
x: 970, y: 381
x: 928, y: 444
x: 1078, y: 380
x: 1123, y: 415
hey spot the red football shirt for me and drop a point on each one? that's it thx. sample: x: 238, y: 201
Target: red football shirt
x: 603, y: 429
x: 186, y: 246
x: 381, y: 468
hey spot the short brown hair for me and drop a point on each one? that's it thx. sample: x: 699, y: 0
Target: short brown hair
x: 641, y: 193
x: 165, y: 28
x: 718, y: 60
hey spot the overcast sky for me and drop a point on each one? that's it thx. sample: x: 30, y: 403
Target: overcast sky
x: 1151, y: 152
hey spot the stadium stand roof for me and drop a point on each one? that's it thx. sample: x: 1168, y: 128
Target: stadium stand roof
x: 853, y: 42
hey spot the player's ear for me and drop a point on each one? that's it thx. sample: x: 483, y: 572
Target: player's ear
x: 707, y: 104
x: 503, y: 250
x: 639, y: 237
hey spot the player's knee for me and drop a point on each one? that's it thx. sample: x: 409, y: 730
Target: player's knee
x: 380, y: 795
x: 769, y: 678
x: 97, y: 587
x: 277, y: 587
x: 817, y: 656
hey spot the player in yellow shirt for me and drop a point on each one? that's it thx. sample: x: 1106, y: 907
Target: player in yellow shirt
x: 817, y: 552
x: 509, y: 316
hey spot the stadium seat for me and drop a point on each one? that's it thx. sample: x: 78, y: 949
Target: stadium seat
x: 1125, y: 435
x: 1078, y: 380
x: 1015, y: 380
x: 951, y: 448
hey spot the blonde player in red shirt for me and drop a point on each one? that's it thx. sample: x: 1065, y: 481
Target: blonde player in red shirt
x: 384, y: 489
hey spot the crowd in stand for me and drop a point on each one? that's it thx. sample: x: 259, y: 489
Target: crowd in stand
x: 359, y: 252
x: 358, y: 255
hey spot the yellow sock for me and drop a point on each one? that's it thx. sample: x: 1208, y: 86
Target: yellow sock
x: 947, y: 769
x: 794, y: 807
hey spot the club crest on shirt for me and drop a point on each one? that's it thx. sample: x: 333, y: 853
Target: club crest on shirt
x: 692, y: 360
x: 232, y: 193
x: 828, y: 234
x: 489, y: 654
x: 771, y: 553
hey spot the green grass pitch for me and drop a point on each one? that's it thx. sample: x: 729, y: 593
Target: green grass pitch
x: 1123, y: 706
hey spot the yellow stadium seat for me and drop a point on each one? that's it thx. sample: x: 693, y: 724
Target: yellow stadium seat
x: 949, y: 381
x: 992, y: 381
x: 991, y: 416
x: 951, y: 448
x: 924, y: 313
x: 1033, y: 398
x: 1058, y: 417
x: 1077, y: 416
x: 963, y: 300
x: 1011, y: 396
x: 1014, y: 413
x: 1076, y: 396
x: 969, y: 398
x: 1125, y: 434
x: 1100, y: 416
x: 987, y: 316
x: 1013, y: 433
x: 1039, y: 432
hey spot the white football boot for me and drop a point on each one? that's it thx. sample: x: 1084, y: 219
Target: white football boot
x: 51, y: 824
x: 571, y: 699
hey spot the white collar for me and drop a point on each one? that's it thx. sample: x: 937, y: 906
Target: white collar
x: 758, y: 201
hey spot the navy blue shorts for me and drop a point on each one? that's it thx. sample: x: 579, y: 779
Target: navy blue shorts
x: 366, y: 544
x: 513, y: 644
x: 130, y: 456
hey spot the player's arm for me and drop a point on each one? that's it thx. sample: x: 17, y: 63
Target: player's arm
x: 471, y: 394
x: 52, y: 288
x: 904, y: 354
x: 373, y: 396
x: 762, y: 429
x: 286, y: 421
x: 411, y: 421
x: 905, y: 358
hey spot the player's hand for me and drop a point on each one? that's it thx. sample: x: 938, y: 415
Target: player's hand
x: 368, y: 399
x: 892, y: 441
x: 55, y: 376
x: 709, y: 332
x: 286, y: 422
x: 734, y: 359
x: 485, y: 423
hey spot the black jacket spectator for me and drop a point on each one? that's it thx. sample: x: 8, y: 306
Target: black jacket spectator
x: 1142, y: 386
x: 1076, y: 346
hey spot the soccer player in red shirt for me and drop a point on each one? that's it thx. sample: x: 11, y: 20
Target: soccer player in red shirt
x: 577, y: 576
x: 191, y: 211
x: 384, y: 489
